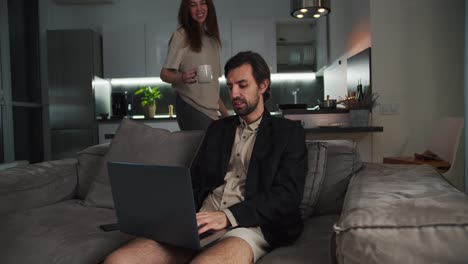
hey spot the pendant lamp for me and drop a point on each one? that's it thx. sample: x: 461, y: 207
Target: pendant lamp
x: 310, y: 8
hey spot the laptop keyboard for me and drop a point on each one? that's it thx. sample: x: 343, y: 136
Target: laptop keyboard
x: 207, y: 233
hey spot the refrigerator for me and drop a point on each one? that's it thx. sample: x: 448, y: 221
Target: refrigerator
x: 74, y: 57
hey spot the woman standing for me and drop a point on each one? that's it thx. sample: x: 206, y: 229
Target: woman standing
x: 195, y: 43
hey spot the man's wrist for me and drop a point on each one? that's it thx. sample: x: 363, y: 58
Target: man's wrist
x: 230, y: 217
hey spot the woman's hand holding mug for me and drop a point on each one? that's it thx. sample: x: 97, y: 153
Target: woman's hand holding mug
x: 189, y: 76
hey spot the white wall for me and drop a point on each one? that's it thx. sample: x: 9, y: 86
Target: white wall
x: 417, y: 65
x: 349, y: 23
x: 350, y: 33
x: 417, y: 61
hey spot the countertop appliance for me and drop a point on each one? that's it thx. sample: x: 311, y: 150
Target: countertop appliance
x: 120, y: 104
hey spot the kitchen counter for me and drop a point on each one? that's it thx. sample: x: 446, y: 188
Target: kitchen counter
x: 361, y: 135
x: 137, y: 118
x: 155, y: 119
x: 314, y: 111
x: 172, y: 122
x: 347, y: 129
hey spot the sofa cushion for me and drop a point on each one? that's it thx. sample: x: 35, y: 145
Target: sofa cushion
x: 313, y: 246
x: 89, y: 162
x: 317, y: 162
x: 66, y: 232
x: 343, y: 161
x: 37, y: 185
x: 395, y: 215
x: 137, y: 142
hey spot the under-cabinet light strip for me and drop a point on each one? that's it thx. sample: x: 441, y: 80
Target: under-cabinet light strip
x: 157, y: 81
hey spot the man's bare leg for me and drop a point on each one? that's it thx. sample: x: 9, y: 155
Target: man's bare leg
x: 229, y: 250
x: 146, y: 251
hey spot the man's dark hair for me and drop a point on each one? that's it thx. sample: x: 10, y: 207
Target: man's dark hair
x: 260, y: 69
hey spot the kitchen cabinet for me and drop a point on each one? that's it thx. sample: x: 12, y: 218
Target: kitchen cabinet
x: 256, y: 35
x: 136, y: 50
x: 140, y: 50
x: 302, y: 46
x: 296, y: 47
x: 124, y: 53
x: 157, y: 39
x: 321, y: 41
x: 296, y: 56
x: 226, y: 43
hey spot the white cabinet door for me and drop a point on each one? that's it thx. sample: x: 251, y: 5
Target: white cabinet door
x: 322, y: 43
x: 124, y: 51
x: 157, y: 40
x: 255, y: 35
x: 226, y: 42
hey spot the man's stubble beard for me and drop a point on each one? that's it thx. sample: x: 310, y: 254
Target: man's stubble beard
x: 250, y: 107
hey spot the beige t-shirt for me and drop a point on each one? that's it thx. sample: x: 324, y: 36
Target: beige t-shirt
x: 202, y: 96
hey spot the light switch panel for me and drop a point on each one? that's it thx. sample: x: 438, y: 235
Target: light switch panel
x: 389, y: 109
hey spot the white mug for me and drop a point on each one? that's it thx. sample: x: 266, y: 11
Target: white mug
x: 204, y: 74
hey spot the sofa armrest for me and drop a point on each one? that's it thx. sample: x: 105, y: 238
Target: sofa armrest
x: 394, y: 214
x: 37, y: 185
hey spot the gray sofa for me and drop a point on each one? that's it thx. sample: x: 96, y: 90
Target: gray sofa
x: 353, y: 212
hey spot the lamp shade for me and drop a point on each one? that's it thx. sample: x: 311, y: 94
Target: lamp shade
x: 310, y: 8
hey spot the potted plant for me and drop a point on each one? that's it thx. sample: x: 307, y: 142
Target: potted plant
x: 148, y: 98
x: 360, y: 107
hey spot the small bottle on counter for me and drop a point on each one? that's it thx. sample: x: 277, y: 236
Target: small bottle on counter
x: 171, y: 110
x: 359, y: 91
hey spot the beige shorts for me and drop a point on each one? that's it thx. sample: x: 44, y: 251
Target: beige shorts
x: 254, y: 237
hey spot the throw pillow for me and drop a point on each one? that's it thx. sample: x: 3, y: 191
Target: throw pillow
x: 343, y: 161
x: 317, y: 161
x: 137, y: 142
x: 89, y: 161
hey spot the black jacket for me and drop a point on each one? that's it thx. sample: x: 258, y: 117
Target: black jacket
x: 275, y: 178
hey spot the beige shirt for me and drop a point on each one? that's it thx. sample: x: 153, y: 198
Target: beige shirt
x: 202, y: 96
x: 233, y: 189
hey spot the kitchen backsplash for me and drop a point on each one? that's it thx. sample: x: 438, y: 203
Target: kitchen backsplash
x: 307, y: 86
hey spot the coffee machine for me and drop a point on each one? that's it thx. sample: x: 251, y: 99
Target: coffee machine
x: 121, y: 104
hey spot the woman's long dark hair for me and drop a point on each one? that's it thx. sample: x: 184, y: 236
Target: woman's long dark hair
x: 192, y: 29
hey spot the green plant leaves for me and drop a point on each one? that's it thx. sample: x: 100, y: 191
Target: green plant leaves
x: 149, y: 95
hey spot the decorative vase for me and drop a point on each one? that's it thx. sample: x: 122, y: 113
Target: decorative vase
x: 359, y: 117
x: 149, y: 111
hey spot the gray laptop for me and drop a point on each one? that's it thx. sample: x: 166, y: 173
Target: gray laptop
x: 157, y: 202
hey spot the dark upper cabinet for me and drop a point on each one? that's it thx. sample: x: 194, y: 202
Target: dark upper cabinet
x: 301, y: 46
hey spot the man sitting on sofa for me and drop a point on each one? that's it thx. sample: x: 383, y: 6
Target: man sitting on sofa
x: 248, y: 176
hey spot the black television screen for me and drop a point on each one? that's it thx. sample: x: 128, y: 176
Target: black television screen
x: 359, y: 70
